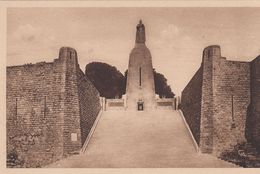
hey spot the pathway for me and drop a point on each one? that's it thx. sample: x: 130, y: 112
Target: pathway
x: 141, y: 139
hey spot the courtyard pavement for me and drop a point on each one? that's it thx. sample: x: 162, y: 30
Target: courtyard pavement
x: 155, y: 139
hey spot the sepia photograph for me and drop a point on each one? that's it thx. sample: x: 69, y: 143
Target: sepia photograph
x: 132, y: 87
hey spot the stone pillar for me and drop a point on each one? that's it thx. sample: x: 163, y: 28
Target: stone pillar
x: 140, y: 79
x: 70, y: 101
x: 210, y: 54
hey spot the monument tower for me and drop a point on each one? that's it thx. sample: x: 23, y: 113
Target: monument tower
x: 140, y: 90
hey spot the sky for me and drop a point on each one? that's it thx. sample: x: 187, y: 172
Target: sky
x: 175, y: 36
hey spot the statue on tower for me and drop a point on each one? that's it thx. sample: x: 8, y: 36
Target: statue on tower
x: 140, y: 33
x: 140, y: 88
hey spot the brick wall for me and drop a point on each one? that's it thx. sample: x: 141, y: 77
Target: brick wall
x: 89, y: 104
x: 71, y: 117
x: 46, y: 109
x: 191, y: 103
x: 231, y: 95
x: 220, y: 102
x: 34, y: 120
x: 253, y: 118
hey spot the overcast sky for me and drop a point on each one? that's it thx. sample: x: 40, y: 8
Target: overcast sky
x: 176, y: 37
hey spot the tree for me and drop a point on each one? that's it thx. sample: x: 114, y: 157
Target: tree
x: 106, y: 78
x: 161, y: 86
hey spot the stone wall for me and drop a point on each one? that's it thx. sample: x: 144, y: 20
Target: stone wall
x: 114, y: 104
x: 191, y: 103
x: 253, y: 118
x: 34, y: 120
x: 166, y: 103
x: 89, y: 104
x: 231, y: 97
x: 71, y: 113
x: 46, y: 110
x: 218, y: 94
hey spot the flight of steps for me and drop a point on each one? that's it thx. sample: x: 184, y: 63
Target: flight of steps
x: 141, y: 139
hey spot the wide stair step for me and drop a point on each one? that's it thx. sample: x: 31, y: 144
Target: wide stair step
x: 141, y: 139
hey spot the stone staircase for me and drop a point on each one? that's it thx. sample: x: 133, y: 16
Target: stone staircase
x: 156, y: 139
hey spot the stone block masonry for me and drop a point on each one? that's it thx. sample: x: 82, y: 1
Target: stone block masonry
x: 253, y: 119
x: 191, y: 103
x: 50, y: 110
x: 231, y: 97
x: 215, y: 102
x: 89, y: 103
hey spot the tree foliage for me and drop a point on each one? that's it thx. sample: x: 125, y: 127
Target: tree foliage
x: 106, y: 78
x: 111, y: 83
x: 161, y: 86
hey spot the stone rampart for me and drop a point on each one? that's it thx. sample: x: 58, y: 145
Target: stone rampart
x: 191, y: 103
x: 50, y: 109
x: 216, y: 100
x: 253, y: 117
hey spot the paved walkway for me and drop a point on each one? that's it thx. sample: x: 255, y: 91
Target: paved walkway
x: 141, y: 139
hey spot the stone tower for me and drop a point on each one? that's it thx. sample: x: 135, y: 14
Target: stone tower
x: 140, y: 90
